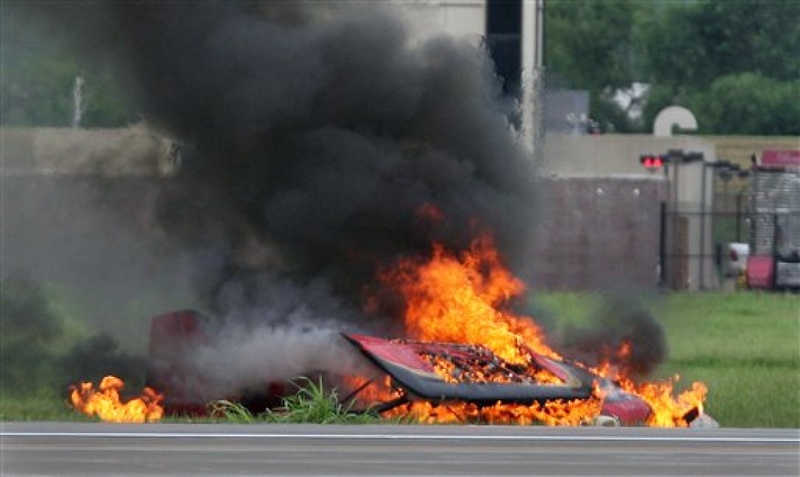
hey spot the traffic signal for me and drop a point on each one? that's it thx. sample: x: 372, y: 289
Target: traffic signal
x: 653, y: 161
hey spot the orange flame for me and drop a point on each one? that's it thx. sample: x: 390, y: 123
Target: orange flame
x: 460, y: 300
x: 105, y: 402
x: 551, y: 413
x: 464, y: 299
x: 668, y: 410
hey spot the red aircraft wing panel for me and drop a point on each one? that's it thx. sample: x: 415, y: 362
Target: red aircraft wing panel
x: 403, y: 363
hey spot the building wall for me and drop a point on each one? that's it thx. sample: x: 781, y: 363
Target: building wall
x: 611, y: 154
x: 132, y: 151
x: 688, y: 193
x: 597, y: 233
x: 594, y: 197
x: 463, y: 18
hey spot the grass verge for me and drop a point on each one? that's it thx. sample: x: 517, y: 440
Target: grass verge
x: 311, y: 404
x: 745, y: 346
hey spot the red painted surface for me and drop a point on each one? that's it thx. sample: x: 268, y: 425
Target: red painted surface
x: 781, y: 158
x: 760, y: 271
x: 393, y: 352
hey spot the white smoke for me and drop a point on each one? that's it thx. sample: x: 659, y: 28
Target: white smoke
x: 241, y: 357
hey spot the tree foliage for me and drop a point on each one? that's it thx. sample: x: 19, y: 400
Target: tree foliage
x: 589, y: 45
x: 740, y: 103
x: 691, y: 45
x: 39, y: 70
x: 735, y: 64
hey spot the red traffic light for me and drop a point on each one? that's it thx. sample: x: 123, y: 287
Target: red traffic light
x: 652, y: 161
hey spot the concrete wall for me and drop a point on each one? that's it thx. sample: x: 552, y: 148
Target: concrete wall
x: 462, y: 18
x: 131, y: 151
x: 99, y: 234
x: 598, y: 224
x: 611, y: 154
x: 687, y: 187
x: 597, y: 233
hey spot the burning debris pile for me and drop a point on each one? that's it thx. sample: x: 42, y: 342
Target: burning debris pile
x: 461, y: 363
x: 502, y: 371
x: 469, y: 384
x: 328, y: 147
x: 483, y: 363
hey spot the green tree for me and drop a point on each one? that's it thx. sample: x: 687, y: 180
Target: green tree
x: 38, y: 73
x: 589, y: 45
x: 692, y: 44
x: 716, y: 57
x: 740, y: 104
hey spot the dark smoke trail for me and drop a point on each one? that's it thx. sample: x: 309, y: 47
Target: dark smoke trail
x: 313, y: 132
x: 317, y: 133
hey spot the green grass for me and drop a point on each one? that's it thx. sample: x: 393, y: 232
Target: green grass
x: 745, y: 346
x: 311, y: 404
x: 43, y: 405
x: 758, y: 328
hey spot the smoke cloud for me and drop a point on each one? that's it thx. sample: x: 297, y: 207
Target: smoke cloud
x: 313, y: 135
x: 274, y: 354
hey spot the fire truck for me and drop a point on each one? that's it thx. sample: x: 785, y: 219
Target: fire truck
x: 774, y: 259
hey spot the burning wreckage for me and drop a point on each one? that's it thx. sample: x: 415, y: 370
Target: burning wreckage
x: 436, y: 382
x: 467, y: 363
x: 285, y: 174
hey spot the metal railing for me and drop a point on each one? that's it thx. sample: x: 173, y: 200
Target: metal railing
x: 693, y: 241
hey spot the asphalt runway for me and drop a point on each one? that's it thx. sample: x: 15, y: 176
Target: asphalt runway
x: 88, y: 449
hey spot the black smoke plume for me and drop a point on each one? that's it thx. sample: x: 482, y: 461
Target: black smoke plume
x: 314, y: 133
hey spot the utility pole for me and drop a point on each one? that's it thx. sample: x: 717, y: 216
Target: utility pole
x: 78, y: 105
